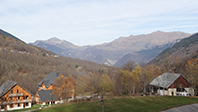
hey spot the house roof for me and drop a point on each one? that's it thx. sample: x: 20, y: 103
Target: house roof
x: 46, y: 95
x: 165, y: 80
x: 49, y: 79
x: 5, y: 87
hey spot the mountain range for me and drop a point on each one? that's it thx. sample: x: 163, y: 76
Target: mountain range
x: 138, y: 48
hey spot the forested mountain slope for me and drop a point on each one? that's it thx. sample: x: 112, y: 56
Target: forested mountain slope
x: 184, y: 49
x: 175, y: 57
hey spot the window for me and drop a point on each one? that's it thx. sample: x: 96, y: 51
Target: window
x: 17, y: 91
x: 11, y: 91
x: 11, y: 99
x: 11, y: 106
x: 26, y: 104
x: 2, y: 99
x: 18, y: 97
x: 2, y: 107
x: 18, y: 105
x: 26, y: 97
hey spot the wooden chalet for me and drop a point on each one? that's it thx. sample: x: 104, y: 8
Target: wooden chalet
x: 13, y: 96
x: 44, y: 94
x: 172, y: 84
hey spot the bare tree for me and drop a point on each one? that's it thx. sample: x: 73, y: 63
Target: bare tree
x: 130, y: 66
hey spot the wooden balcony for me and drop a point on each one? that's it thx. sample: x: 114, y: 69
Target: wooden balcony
x: 14, y: 102
x: 15, y: 95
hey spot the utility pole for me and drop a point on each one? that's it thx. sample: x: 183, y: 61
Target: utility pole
x: 102, y: 103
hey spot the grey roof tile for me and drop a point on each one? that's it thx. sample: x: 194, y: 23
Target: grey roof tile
x: 165, y: 80
x: 6, y: 87
x: 46, y: 95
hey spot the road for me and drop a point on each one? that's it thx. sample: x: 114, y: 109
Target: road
x: 185, y: 108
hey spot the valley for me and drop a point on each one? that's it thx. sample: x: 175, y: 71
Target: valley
x: 28, y: 64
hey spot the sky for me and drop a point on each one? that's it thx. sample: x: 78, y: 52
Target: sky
x: 91, y: 22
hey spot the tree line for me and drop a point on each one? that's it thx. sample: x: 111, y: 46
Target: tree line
x: 133, y: 79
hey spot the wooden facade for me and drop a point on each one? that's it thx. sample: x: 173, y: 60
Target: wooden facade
x: 180, y: 82
x: 16, y: 98
x: 43, y: 87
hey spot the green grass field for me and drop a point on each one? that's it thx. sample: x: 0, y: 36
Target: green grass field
x: 132, y: 104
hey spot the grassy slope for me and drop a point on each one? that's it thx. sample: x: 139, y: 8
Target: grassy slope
x: 134, y: 104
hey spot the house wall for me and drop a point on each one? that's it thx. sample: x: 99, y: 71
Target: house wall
x: 162, y: 92
x: 16, y: 106
x: 42, y: 87
x: 172, y: 92
x: 191, y: 91
x: 50, y: 102
x: 36, y: 98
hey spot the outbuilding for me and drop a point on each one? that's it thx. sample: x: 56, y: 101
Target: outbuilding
x: 171, y: 84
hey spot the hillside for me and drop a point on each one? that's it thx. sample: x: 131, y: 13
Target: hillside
x: 5, y: 35
x: 11, y: 43
x: 110, y: 53
x: 184, y: 50
x: 28, y: 65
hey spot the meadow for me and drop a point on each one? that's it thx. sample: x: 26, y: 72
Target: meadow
x: 127, y: 104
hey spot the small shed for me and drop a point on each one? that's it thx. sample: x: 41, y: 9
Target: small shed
x: 171, y: 84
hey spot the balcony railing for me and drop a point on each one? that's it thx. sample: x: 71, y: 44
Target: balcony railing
x: 17, y: 101
x: 15, y: 95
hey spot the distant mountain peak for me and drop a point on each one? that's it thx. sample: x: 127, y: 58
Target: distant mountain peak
x: 54, y: 39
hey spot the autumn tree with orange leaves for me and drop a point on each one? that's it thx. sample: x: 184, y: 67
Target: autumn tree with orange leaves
x: 63, y: 87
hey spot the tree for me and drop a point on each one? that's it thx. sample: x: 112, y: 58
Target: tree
x: 63, y: 87
x: 192, y: 71
x: 136, y: 77
x: 130, y: 66
x: 130, y: 79
x: 149, y: 72
x: 83, y: 84
x: 106, y: 84
x: 118, y: 86
x: 127, y: 81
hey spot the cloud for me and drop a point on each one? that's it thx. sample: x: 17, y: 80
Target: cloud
x: 95, y: 22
